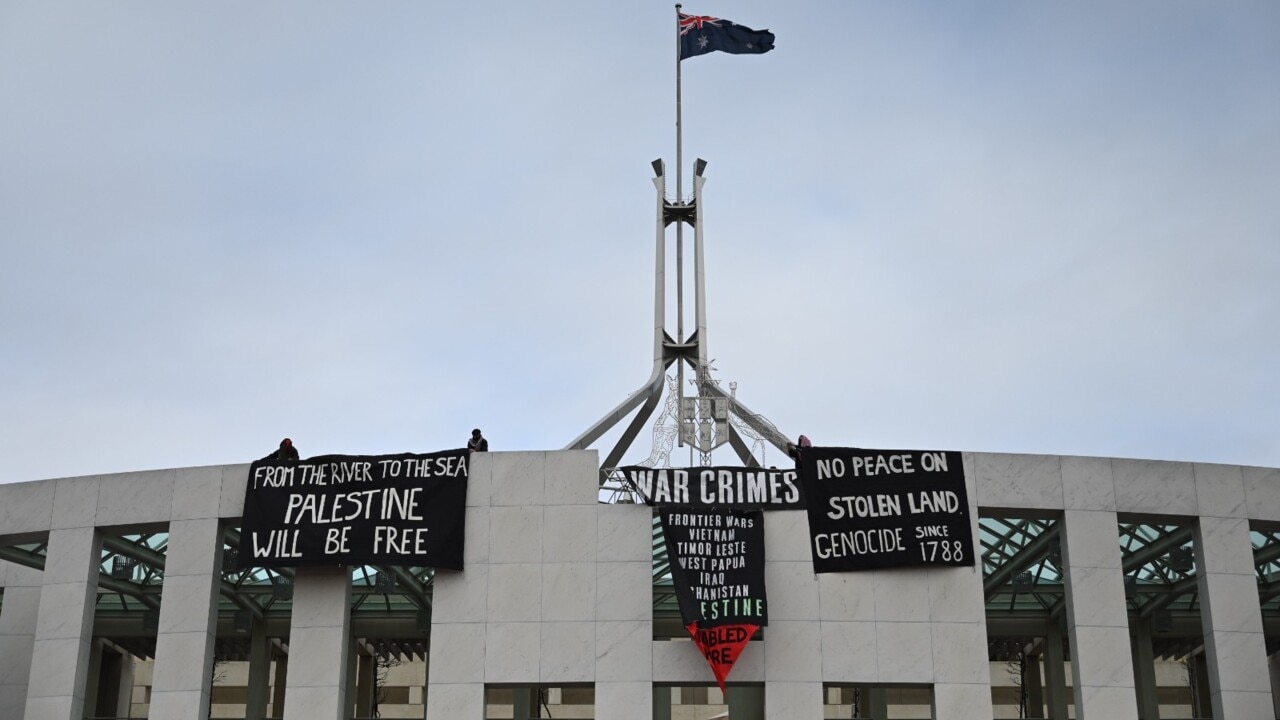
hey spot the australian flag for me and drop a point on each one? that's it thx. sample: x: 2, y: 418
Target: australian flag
x: 701, y: 34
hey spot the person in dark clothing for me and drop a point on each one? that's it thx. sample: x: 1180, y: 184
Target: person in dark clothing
x: 794, y: 449
x: 286, y: 453
x: 477, y: 443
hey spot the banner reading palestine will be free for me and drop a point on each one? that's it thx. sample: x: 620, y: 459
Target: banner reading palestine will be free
x: 405, y: 509
x: 717, y: 567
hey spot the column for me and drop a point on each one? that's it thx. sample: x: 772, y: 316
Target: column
x: 1144, y: 671
x: 1035, y: 687
x: 1055, y: 671
x: 318, y: 644
x: 183, y: 673
x: 523, y: 703
x: 255, y: 706
x: 1097, y: 618
x: 278, y: 684
x: 662, y: 702
x: 366, y: 679
x: 745, y: 702
x: 1203, y: 698
x: 353, y: 665
x: 1273, y: 662
x: 64, y: 624
x: 875, y: 703
x: 17, y: 636
x: 1239, y: 685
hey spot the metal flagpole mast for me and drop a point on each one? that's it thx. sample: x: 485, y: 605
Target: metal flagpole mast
x: 704, y: 420
x: 679, y: 227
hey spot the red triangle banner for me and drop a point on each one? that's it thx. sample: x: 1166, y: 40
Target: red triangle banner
x: 721, y: 646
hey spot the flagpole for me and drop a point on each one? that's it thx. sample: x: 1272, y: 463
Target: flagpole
x: 679, y: 240
x: 679, y: 197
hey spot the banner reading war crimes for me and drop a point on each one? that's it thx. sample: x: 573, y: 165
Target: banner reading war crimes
x: 885, y: 508
x: 403, y: 509
x: 717, y: 565
x: 722, y: 487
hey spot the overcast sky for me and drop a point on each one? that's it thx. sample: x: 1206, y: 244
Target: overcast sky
x: 1005, y: 226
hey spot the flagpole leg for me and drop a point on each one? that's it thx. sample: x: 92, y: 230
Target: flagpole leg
x: 679, y: 239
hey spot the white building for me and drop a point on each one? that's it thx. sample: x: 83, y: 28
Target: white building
x: 1109, y: 589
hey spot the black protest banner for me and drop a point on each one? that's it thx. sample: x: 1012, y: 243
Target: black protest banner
x: 717, y: 565
x: 720, y: 487
x: 886, y: 508
x: 405, y: 509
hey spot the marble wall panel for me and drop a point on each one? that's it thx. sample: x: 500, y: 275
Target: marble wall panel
x: 512, y: 652
x: 235, y: 478
x: 1154, y: 486
x: 624, y: 534
x: 26, y: 507
x: 1095, y: 544
x: 792, y: 651
x: 568, y: 591
x: 515, y: 534
x: 624, y: 591
x: 515, y: 592
x: 786, y: 536
x: 475, y: 549
x: 197, y: 493
x: 1224, y: 545
x: 134, y: 498
x: 461, y: 596
x: 1018, y: 481
x: 846, y: 597
x: 1219, y: 490
x: 569, y: 533
x: 953, y: 701
x: 519, y: 479
x: 463, y: 644
x: 624, y: 651
x: 624, y: 700
x: 1262, y: 490
x: 184, y: 661
x: 314, y: 702
x: 960, y: 653
x: 680, y: 662
x: 480, y: 479
x: 901, y: 595
x: 849, y: 652
x: 455, y: 701
x: 1088, y: 484
x: 793, y: 590
x: 75, y: 503
x: 956, y: 594
x: 792, y: 700
x: 904, y: 651
x: 572, y: 478
x: 567, y: 652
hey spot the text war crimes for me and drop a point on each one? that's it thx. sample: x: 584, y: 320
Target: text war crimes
x: 716, y: 486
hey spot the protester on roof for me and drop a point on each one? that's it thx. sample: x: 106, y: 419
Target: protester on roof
x: 477, y: 443
x: 794, y: 449
x: 286, y: 453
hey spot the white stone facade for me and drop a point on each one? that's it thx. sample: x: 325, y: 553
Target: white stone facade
x: 558, y: 590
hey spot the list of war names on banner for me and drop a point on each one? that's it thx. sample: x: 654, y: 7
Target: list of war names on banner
x: 717, y: 565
